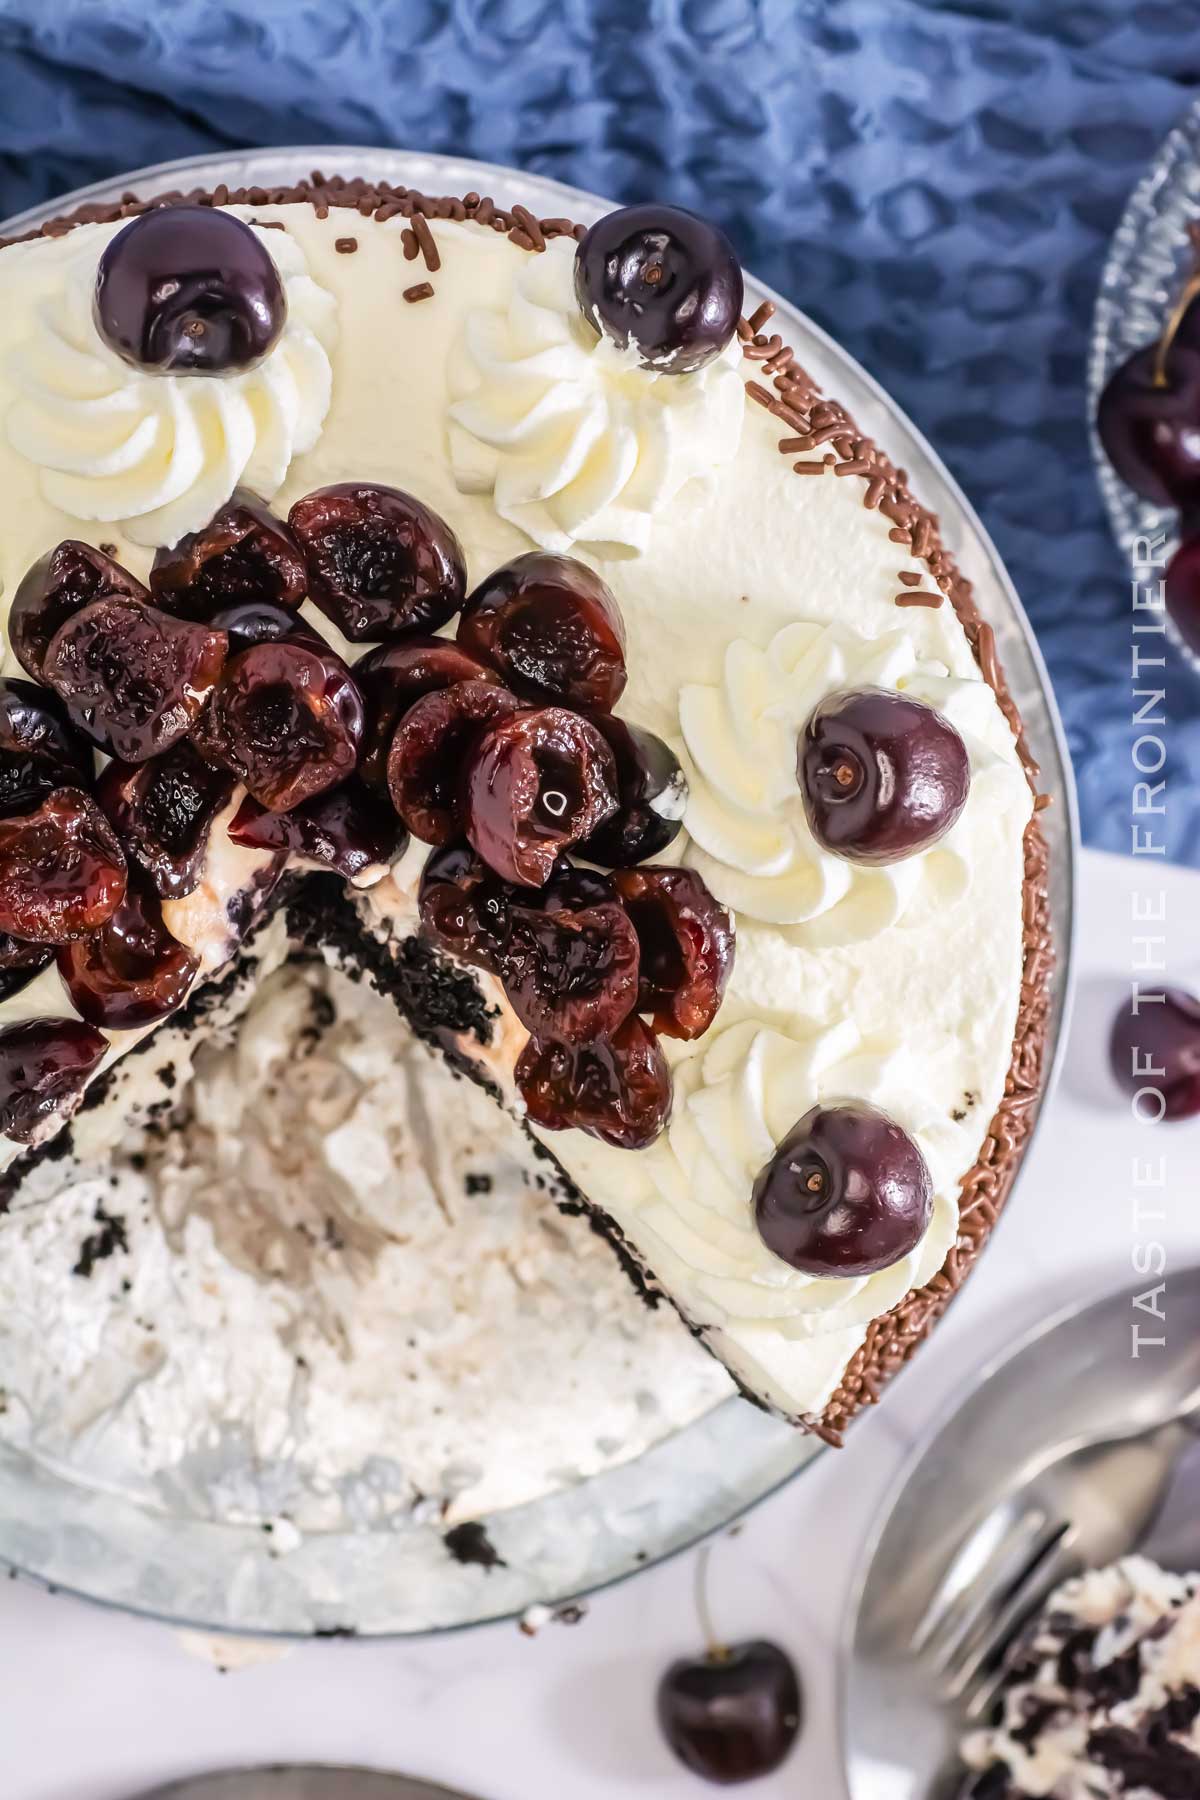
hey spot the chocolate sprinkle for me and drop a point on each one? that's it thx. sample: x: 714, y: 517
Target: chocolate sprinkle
x: 345, y: 246
x: 422, y: 291
x: 919, y: 598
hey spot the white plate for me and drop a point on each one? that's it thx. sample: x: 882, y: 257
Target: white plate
x: 222, y: 1578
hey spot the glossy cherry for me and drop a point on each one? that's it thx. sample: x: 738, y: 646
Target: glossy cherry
x: 349, y: 829
x: 662, y: 279
x: 552, y: 628
x: 189, y: 290
x: 163, y: 811
x: 571, y: 975
x: 380, y: 564
x: 244, y: 554
x: 846, y: 1193
x: 571, y: 888
x: 537, y: 783
x: 62, y: 871
x: 44, y: 1067
x: 618, y: 1090
x: 131, y: 971
x: 249, y: 622
x: 1149, y: 424
x: 133, y: 679
x: 67, y: 578
x: 1182, y: 590
x: 687, y: 947
x: 393, y: 677
x: 20, y: 962
x: 464, y: 906
x: 1157, y: 1051
x: 733, y: 1714
x: 882, y: 775
x: 652, y: 794
x: 430, y: 751
x: 39, y: 748
x: 286, y: 719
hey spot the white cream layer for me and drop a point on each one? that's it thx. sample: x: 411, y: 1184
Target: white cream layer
x: 740, y: 557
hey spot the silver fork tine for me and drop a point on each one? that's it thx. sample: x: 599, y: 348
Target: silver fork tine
x: 988, y: 1561
x: 1058, y: 1560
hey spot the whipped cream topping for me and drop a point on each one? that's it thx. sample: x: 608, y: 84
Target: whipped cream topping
x: 745, y: 815
x: 576, y: 442
x: 158, y: 453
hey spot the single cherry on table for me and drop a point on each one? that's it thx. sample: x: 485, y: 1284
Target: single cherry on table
x: 1156, y: 1051
x: 663, y: 280
x: 732, y: 1714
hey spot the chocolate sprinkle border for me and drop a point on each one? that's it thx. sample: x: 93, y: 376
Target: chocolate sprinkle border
x: 813, y: 421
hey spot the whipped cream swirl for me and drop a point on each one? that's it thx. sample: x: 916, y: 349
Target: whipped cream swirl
x: 159, y: 454
x: 579, y: 444
x: 734, y: 1102
x: 750, y: 839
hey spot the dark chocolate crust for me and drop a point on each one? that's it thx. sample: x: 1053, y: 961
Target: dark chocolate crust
x: 822, y: 436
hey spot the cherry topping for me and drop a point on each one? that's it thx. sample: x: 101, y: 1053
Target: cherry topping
x: 20, y: 962
x: 392, y: 677
x: 286, y: 719
x: 380, y: 564
x: 552, y: 628
x: 243, y: 554
x: 67, y: 578
x: 846, y: 1193
x: 538, y: 783
x: 571, y: 888
x: 249, y: 622
x: 189, y: 290
x: 1149, y: 424
x: 44, y: 1067
x: 132, y: 971
x: 882, y: 775
x: 39, y: 750
x: 163, y: 811
x: 733, y: 1714
x: 653, y: 794
x: 1156, y: 1051
x: 571, y: 976
x: 662, y: 279
x: 430, y: 750
x: 133, y: 679
x: 464, y: 906
x: 618, y: 1089
x: 62, y: 872
x: 687, y: 947
x: 348, y: 829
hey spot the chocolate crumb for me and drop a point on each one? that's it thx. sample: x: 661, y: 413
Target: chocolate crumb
x: 478, y: 1184
x: 99, y: 1245
x: 470, y: 1543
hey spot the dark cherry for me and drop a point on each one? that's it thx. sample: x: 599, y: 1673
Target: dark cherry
x: 62, y: 871
x: 380, y: 564
x: 663, y: 279
x: 243, y: 554
x: 44, y: 1067
x: 1149, y: 424
x: 1157, y: 1051
x: 286, y: 719
x: 132, y: 971
x: 733, y: 1714
x: 430, y: 751
x: 618, y: 1090
x: 67, y: 578
x: 652, y: 790
x: 39, y: 748
x: 392, y: 677
x: 189, y: 290
x: 846, y: 1193
x: 249, y: 622
x: 1182, y: 590
x: 348, y: 829
x: 163, y: 811
x: 464, y: 906
x: 538, y: 782
x: 571, y: 888
x: 571, y: 976
x: 133, y: 679
x: 687, y: 947
x: 552, y: 628
x: 882, y: 775
x: 20, y: 962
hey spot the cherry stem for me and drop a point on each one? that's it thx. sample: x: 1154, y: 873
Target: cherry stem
x: 1191, y: 288
x: 717, y: 1651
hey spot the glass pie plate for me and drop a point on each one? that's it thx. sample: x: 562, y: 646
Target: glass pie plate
x: 223, y: 1577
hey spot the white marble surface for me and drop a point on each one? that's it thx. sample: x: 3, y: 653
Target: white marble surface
x: 97, y: 1707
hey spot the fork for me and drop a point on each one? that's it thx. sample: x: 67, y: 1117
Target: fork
x: 1087, y: 1505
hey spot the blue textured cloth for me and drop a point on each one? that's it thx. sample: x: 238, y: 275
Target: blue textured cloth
x: 934, y: 182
